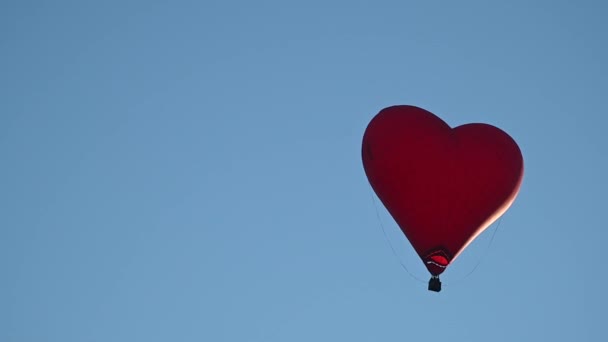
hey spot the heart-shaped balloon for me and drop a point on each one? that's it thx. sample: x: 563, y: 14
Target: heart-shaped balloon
x: 443, y: 186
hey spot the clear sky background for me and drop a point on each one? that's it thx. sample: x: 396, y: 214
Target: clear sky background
x: 191, y: 171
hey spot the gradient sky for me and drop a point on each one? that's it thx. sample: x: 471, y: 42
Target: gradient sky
x: 190, y: 170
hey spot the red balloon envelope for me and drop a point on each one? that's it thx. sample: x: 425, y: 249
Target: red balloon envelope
x: 442, y: 185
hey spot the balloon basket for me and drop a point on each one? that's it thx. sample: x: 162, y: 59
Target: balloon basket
x: 435, y: 284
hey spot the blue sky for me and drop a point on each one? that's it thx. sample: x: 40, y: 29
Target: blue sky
x: 190, y: 170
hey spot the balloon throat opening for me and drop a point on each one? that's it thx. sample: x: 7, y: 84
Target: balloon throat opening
x: 437, y: 261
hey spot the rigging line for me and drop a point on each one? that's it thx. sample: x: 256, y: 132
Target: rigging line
x: 389, y: 242
x: 483, y: 254
x: 487, y: 249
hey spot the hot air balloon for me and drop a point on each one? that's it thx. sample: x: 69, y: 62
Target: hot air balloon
x: 443, y: 186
